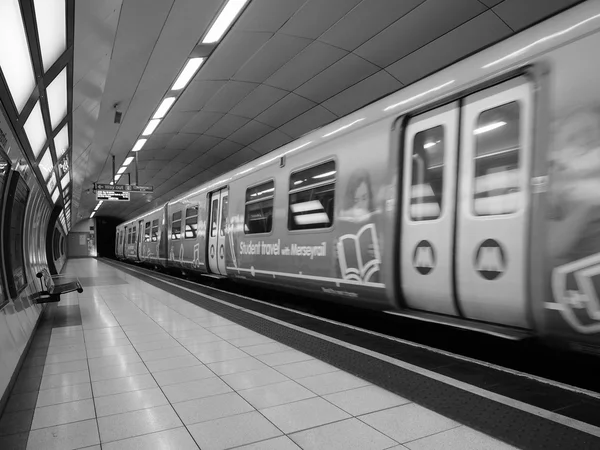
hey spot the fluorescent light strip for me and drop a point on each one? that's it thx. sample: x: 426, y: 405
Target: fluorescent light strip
x: 128, y: 161
x: 311, y: 205
x: 310, y: 219
x: 187, y: 73
x: 151, y: 127
x: 325, y: 175
x: 490, y: 127
x: 138, y: 145
x: 122, y: 170
x: 164, y: 107
x: 117, y: 178
x: 92, y: 215
x: 344, y: 127
x: 224, y: 21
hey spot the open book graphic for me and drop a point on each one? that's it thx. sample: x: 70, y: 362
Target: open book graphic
x: 359, y: 254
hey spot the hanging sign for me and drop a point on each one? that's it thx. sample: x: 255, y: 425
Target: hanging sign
x: 125, y: 188
x: 112, y: 196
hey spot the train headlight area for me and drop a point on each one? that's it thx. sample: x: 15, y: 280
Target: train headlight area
x: 313, y: 223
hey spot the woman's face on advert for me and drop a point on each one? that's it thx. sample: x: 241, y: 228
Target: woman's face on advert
x: 361, y: 197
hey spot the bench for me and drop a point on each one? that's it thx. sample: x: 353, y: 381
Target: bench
x: 55, y: 285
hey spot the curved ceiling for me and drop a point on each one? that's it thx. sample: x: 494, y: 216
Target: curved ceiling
x: 284, y: 69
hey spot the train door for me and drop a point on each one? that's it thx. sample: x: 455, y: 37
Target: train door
x: 492, y: 220
x: 219, y: 206
x: 428, y: 212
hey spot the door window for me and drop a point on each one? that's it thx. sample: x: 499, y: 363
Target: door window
x: 154, y: 230
x: 224, y: 205
x: 176, y: 225
x: 191, y: 222
x: 147, y: 232
x: 214, y: 214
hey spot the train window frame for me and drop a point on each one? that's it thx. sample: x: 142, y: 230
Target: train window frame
x: 152, y: 234
x: 326, y: 160
x: 133, y: 235
x: 409, y: 215
x: 195, y: 231
x: 214, y: 225
x: 147, y: 228
x: 260, y: 200
x: 173, y: 221
x: 518, y: 170
x: 129, y: 236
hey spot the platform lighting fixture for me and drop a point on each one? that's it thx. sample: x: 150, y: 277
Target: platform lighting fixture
x: 164, y: 107
x: 56, y: 93
x: 490, y: 127
x: 92, y: 215
x: 151, y: 127
x: 188, y: 72
x: 128, y: 160
x: 138, y: 145
x: 224, y: 20
x: 117, y: 178
x: 122, y: 170
x: 35, y: 130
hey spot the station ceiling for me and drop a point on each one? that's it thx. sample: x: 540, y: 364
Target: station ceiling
x: 285, y: 67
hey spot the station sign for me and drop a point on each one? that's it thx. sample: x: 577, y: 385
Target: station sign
x: 113, y: 196
x: 125, y: 188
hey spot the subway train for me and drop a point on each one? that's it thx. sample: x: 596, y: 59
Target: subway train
x: 469, y: 198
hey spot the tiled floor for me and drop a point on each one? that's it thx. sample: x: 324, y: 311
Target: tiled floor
x: 147, y: 370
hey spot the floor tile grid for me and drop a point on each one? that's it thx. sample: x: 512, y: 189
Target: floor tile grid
x: 92, y: 387
x: 235, y: 390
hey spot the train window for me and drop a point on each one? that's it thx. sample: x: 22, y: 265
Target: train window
x: 176, y: 226
x: 427, y: 176
x: 214, y: 211
x: 259, y: 208
x: 147, y: 232
x: 133, y: 235
x: 154, y: 230
x: 311, y: 197
x: 497, y: 143
x: 129, y: 235
x: 224, y: 206
x: 191, y: 222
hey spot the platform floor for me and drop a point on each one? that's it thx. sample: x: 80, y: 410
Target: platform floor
x: 126, y: 365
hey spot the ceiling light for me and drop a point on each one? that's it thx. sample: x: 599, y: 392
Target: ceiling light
x: 164, y: 107
x: 490, y: 127
x: 430, y: 144
x: 56, y: 93
x: 14, y: 57
x: 51, y: 183
x: 98, y: 205
x: 111, y: 183
x: 117, y: 178
x: 223, y: 22
x: 128, y: 161
x: 122, y: 170
x: 45, y: 165
x: 65, y: 180
x: 92, y: 215
x: 187, y: 73
x: 61, y: 141
x: 138, y: 145
x: 151, y: 127
x: 52, y: 29
x: 35, y: 131
x: 55, y: 196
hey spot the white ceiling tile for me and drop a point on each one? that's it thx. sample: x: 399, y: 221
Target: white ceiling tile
x: 285, y: 109
x: 316, y: 16
x: 310, y: 120
x: 223, y: 166
x: 231, y: 54
x: 227, y: 125
x: 224, y: 149
x: 271, y: 141
x: 201, y: 122
x: 484, y: 30
x: 203, y: 144
x: 365, y: 21
x: 308, y: 63
x: 156, y: 141
x: 229, y: 96
x: 258, y: 100
x: 187, y: 156
x: 243, y: 156
x: 181, y: 141
x: 274, y: 54
x: 519, y: 14
x: 267, y: 15
x: 425, y: 23
x: 362, y: 93
x: 197, y: 94
x: 250, y: 132
x: 175, y: 121
x: 344, y: 73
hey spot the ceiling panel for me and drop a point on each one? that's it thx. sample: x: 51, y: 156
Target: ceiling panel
x: 271, y: 141
x: 201, y: 122
x: 316, y: 16
x: 285, y: 109
x: 310, y: 120
x: 197, y: 94
x: 519, y: 14
x: 223, y: 149
x: 365, y: 21
x: 156, y: 141
x: 483, y: 30
x: 227, y: 125
x: 312, y: 60
x: 243, y: 156
x: 250, y: 132
x: 181, y: 141
x: 229, y: 96
x: 258, y: 100
x: 268, y: 15
x: 175, y: 121
x: 425, y: 23
x: 274, y: 54
x: 203, y: 144
x: 490, y: 3
x: 344, y: 73
x: 362, y: 93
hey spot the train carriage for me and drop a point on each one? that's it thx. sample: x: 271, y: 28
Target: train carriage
x: 469, y: 197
